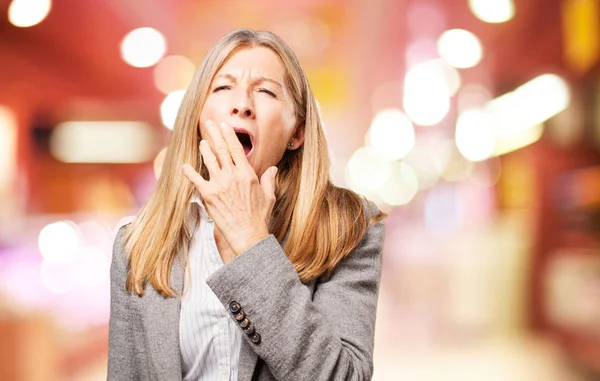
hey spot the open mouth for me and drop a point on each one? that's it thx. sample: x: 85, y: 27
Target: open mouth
x: 246, y: 141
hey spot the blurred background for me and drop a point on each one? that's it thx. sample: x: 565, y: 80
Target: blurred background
x: 474, y: 124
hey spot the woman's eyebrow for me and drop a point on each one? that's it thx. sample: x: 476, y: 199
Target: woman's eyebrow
x: 263, y: 78
x: 267, y: 79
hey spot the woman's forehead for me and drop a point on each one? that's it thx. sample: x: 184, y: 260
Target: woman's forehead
x: 258, y: 62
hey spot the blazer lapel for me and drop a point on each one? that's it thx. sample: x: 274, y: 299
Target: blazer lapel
x: 161, y: 323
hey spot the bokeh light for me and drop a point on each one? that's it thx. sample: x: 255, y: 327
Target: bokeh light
x: 170, y: 107
x: 493, y: 11
x: 475, y: 135
x: 59, y: 241
x: 26, y: 13
x: 367, y: 169
x: 102, y: 142
x: 428, y: 161
x: 460, y: 48
x: 531, y: 103
x: 8, y: 140
x: 173, y: 73
x: 392, y: 134
x: 518, y: 115
x: 402, y: 185
x: 426, y: 94
x: 143, y: 47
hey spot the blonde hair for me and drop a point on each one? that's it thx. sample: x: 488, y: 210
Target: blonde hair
x: 323, y: 223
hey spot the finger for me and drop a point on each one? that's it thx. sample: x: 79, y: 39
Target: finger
x: 219, y: 145
x: 236, y: 149
x: 209, y: 158
x: 195, y: 178
x: 267, y: 182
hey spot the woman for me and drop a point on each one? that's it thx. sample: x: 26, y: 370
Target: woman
x: 259, y: 268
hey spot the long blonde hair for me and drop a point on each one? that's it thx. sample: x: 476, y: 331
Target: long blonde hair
x: 323, y: 223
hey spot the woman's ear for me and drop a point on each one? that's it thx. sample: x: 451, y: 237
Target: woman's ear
x: 297, y: 138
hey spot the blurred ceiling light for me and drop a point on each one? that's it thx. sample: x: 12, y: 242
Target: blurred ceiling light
x: 59, y: 241
x: 532, y: 103
x: 103, y: 142
x: 460, y: 48
x: 426, y: 94
x: 143, y: 47
x: 367, y: 169
x: 518, y: 115
x: 26, y: 13
x: 391, y: 134
x: 475, y: 135
x: 173, y: 73
x: 402, y: 185
x: 521, y: 139
x: 8, y: 146
x: 493, y: 11
x: 170, y: 107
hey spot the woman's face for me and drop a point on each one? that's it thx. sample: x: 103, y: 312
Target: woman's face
x: 248, y: 93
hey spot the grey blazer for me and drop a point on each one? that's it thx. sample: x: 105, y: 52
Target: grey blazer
x: 321, y: 331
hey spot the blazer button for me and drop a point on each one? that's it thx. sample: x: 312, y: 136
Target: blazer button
x: 234, y: 307
x: 245, y: 323
x: 255, y: 338
x: 250, y: 330
x: 240, y: 316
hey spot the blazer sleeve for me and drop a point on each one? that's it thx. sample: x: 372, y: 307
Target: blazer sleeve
x: 120, y: 339
x: 325, y: 336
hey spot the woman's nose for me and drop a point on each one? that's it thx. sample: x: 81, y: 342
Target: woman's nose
x: 243, y: 111
x: 242, y: 105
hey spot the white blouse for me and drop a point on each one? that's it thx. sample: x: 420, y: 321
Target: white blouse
x: 209, y: 339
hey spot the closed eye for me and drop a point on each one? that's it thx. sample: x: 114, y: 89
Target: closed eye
x: 269, y: 92
x: 219, y: 88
